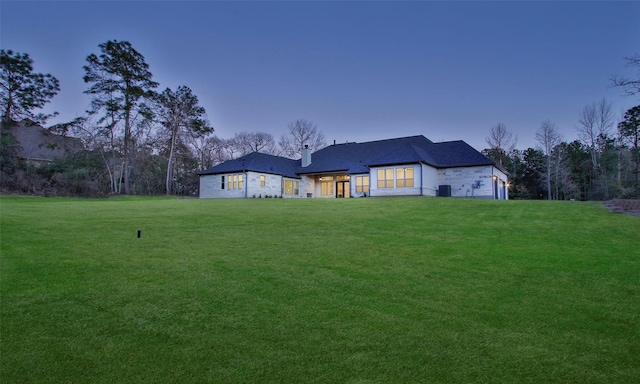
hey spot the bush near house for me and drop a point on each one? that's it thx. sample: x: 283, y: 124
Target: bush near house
x: 310, y: 290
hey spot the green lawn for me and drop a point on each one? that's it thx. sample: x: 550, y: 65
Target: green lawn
x: 388, y: 290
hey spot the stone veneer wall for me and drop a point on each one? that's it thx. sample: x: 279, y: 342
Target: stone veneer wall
x: 210, y: 188
x: 464, y: 180
x: 307, y: 186
x: 272, y: 187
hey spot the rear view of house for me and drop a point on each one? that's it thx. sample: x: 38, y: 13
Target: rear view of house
x: 407, y: 166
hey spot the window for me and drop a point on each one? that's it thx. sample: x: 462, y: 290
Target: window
x: 362, y: 184
x: 404, y: 177
x: 235, y: 181
x: 326, y: 188
x: 263, y: 180
x: 326, y: 185
x: 385, y: 178
x: 222, y: 180
x: 291, y: 187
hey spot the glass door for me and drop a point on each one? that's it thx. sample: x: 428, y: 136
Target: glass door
x: 342, y: 189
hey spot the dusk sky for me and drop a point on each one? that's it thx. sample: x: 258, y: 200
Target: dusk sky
x: 360, y: 71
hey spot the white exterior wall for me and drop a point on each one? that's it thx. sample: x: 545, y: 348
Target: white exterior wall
x: 211, y: 188
x: 208, y: 185
x: 307, y: 185
x: 429, y: 180
x: 463, y: 182
x: 272, y: 187
x: 426, y: 183
x: 394, y: 191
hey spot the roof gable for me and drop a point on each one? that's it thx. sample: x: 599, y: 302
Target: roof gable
x: 358, y: 157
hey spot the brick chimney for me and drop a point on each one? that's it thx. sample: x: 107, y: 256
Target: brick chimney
x: 306, y: 156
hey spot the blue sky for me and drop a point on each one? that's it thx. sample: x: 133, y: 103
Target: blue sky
x: 359, y: 70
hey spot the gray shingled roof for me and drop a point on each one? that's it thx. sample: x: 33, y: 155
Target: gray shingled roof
x: 358, y: 157
x: 354, y: 158
x: 257, y: 162
x: 451, y: 154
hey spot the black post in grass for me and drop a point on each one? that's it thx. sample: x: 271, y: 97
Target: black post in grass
x: 139, y: 233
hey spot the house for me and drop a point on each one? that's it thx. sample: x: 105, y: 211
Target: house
x: 38, y: 145
x: 406, y: 166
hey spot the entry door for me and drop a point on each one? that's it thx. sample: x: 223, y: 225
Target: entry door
x: 342, y: 189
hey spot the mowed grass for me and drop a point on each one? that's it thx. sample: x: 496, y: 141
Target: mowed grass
x: 388, y: 290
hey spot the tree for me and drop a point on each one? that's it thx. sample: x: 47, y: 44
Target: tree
x: 301, y: 133
x: 180, y: 113
x: 501, y: 141
x: 209, y: 150
x: 533, y: 164
x: 548, y: 137
x: 565, y: 185
x: 22, y: 90
x: 631, y: 86
x: 120, y: 80
x: 248, y: 142
x: 595, y: 120
x: 102, y: 140
x: 578, y: 159
x: 629, y: 129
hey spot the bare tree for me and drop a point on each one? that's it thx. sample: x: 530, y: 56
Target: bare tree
x: 301, y: 133
x: 596, y: 120
x: 604, y: 115
x: 248, y: 142
x: 548, y: 137
x: 102, y: 137
x: 208, y: 148
x: 565, y: 186
x: 501, y: 141
x: 631, y: 86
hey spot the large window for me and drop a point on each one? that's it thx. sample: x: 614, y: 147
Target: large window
x: 291, y: 187
x: 222, y: 181
x: 404, y: 177
x: 235, y: 181
x: 362, y: 184
x: 385, y: 178
x: 263, y: 180
x: 326, y: 186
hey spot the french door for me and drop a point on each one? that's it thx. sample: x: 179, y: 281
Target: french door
x: 342, y: 189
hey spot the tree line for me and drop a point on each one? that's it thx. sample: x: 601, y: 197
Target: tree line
x: 137, y: 140
x: 604, y: 163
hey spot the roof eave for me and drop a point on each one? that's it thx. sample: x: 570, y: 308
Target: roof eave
x: 324, y: 172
